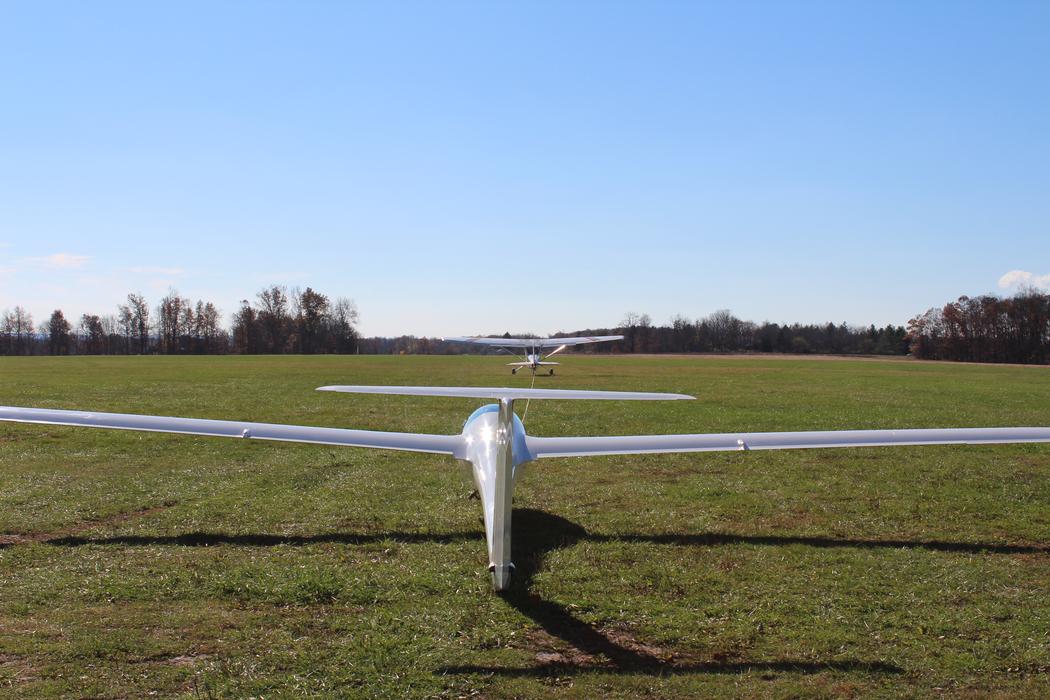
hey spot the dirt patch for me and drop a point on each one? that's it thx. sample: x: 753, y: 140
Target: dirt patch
x: 551, y: 651
x: 1029, y: 669
x: 187, y: 660
x: 626, y: 640
x: 83, y: 526
x: 789, y: 520
x: 19, y: 667
x: 728, y: 564
x: 21, y: 435
x: 1031, y: 558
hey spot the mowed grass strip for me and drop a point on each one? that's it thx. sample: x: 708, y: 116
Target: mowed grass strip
x: 135, y: 563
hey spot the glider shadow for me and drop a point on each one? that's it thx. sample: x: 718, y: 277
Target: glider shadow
x: 536, y: 534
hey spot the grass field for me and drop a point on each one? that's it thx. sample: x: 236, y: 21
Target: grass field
x: 135, y: 564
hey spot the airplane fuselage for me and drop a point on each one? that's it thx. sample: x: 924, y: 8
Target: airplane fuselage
x: 534, y: 361
x: 535, y: 352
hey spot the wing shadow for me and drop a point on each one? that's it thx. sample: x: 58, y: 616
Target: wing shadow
x: 536, y: 533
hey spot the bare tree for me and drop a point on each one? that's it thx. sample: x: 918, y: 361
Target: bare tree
x: 985, y: 329
x: 635, y: 330
x: 111, y: 328
x: 126, y: 326
x: 170, y: 319
x: 17, y: 329
x: 724, y: 330
x: 209, y: 334
x: 246, y: 330
x: 343, y: 318
x: 274, y: 318
x: 683, y: 332
x: 187, y: 336
x: 7, y: 332
x: 139, y: 311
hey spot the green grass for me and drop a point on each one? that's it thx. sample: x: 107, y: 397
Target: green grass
x: 134, y: 563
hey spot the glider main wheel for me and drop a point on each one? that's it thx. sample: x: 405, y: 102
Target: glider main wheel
x: 552, y: 372
x: 501, y: 576
x: 514, y: 371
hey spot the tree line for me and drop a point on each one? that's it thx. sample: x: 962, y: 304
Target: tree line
x: 973, y: 329
x: 723, y: 332
x: 280, y: 321
x: 717, y: 332
x: 305, y: 322
x: 985, y: 329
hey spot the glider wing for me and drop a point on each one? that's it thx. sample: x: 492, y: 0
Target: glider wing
x: 412, y: 442
x: 541, y: 447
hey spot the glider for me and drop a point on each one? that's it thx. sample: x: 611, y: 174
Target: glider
x: 533, y: 349
x: 493, y: 441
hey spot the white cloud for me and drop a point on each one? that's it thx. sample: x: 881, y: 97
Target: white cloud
x: 1023, y: 278
x: 60, y: 261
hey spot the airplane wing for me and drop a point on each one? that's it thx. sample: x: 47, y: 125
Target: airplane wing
x: 412, y: 442
x: 496, y: 342
x: 487, y: 392
x: 541, y: 447
x: 555, y: 342
x: 533, y: 342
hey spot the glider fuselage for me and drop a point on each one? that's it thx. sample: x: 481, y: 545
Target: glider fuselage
x: 495, y: 447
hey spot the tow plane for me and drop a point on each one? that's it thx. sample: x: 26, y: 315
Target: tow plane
x: 495, y: 445
x: 533, y: 349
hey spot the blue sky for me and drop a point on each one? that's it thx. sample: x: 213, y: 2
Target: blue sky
x: 462, y: 167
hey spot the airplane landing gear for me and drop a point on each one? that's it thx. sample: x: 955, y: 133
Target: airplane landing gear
x: 514, y: 371
x: 552, y: 373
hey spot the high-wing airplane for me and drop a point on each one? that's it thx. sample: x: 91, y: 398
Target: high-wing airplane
x: 532, y: 349
x: 493, y: 441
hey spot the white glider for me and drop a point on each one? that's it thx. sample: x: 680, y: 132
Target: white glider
x: 493, y: 441
x: 533, y: 348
